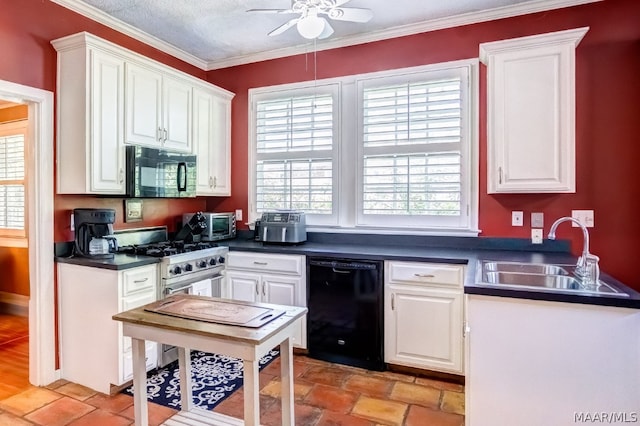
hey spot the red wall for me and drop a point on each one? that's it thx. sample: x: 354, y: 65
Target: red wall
x: 608, y: 89
x: 26, y: 30
x: 608, y: 118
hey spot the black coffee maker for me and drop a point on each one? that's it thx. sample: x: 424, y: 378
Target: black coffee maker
x: 94, y: 233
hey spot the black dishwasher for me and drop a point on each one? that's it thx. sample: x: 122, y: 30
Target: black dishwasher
x: 345, y: 319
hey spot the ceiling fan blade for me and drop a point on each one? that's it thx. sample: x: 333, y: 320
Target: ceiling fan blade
x: 271, y: 10
x: 327, y: 31
x: 352, y: 14
x: 284, y: 27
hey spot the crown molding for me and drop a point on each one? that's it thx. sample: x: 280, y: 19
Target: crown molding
x: 401, y: 31
x: 103, y: 18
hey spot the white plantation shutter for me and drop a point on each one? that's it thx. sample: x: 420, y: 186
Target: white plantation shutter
x: 385, y: 151
x: 413, y: 131
x: 12, y: 175
x: 294, y: 153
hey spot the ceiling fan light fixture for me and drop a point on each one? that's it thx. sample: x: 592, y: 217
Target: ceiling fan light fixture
x: 311, y: 26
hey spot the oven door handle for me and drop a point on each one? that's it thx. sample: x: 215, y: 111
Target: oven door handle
x: 170, y: 291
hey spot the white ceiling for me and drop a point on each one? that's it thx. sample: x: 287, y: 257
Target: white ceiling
x: 213, y: 34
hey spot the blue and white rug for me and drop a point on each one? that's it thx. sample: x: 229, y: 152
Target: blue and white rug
x: 213, y: 378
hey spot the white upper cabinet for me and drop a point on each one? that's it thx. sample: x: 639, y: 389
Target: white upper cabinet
x: 158, y: 109
x: 531, y: 113
x: 212, y: 141
x: 90, y: 118
x: 108, y: 96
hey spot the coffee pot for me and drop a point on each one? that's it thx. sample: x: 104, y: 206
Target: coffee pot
x: 94, y: 233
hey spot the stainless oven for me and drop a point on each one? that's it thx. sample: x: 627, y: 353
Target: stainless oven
x: 196, y: 272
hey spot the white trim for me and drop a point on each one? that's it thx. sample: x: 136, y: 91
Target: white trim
x: 525, y: 8
x: 40, y: 224
x: 537, y: 40
x: 98, y: 15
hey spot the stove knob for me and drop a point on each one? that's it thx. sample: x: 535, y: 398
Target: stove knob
x: 177, y: 270
x: 202, y: 264
x: 221, y: 259
x: 188, y: 267
x: 212, y: 262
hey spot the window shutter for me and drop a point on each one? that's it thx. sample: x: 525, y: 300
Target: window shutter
x: 12, y: 197
x: 294, y: 158
x: 411, y: 144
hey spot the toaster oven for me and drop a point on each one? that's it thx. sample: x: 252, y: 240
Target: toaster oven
x: 220, y: 226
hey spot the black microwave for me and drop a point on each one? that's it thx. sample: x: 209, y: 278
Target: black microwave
x: 156, y: 173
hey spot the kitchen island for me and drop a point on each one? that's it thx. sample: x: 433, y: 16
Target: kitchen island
x: 244, y: 342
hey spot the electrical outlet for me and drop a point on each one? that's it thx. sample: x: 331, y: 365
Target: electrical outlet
x: 239, y: 214
x: 537, y: 220
x: 584, y: 216
x: 536, y: 236
x: 517, y: 218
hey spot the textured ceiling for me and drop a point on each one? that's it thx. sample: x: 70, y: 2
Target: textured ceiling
x: 221, y: 32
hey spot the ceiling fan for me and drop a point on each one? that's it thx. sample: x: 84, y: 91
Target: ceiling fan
x: 312, y: 23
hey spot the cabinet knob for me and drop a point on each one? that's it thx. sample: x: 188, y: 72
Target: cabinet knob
x: 393, y: 302
x: 210, y: 182
x: 264, y: 289
x: 160, y: 134
x: 424, y: 275
x: 500, y: 175
x: 121, y: 174
x: 257, y: 289
x: 215, y: 182
x: 165, y: 134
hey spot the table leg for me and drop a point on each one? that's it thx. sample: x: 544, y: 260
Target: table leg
x: 251, y: 393
x: 184, y: 364
x: 286, y: 374
x: 141, y: 411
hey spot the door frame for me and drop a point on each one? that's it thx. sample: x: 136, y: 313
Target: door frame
x: 40, y: 202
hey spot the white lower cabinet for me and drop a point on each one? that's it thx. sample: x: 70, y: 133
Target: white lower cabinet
x: 268, y: 278
x: 424, y: 316
x: 93, y: 350
x: 533, y: 362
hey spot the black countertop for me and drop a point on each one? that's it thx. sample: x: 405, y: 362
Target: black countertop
x: 456, y: 250
x: 118, y: 262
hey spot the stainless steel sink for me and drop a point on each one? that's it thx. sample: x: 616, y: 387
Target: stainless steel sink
x: 534, y: 280
x: 539, y: 276
x: 525, y: 268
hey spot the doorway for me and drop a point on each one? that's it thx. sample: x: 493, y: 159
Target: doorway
x: 39, y: 220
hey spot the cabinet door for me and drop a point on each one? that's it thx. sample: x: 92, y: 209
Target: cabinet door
x: 280, y: 290
x: 176, y: 114
x: 221, y: 147
x: 531, y: 112
x: 106, y: 152
x: 243, y: 286
x: 423, y: 327
x: 143, y: 107
x: 203, y: 140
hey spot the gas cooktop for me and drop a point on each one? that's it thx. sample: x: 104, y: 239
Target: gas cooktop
x: 165, y: 248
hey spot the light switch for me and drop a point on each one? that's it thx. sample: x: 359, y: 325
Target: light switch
x: 239, y: 214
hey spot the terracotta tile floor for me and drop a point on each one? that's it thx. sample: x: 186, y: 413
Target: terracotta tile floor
x: 325, y: 394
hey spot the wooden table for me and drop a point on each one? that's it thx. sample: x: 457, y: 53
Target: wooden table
x: 248, y: 344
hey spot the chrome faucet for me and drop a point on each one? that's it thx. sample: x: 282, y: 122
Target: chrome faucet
x: 587, y: 268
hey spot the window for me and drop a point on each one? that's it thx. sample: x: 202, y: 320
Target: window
x: 12, y: 179
x: 389, y: 150
x: 295, y: 140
